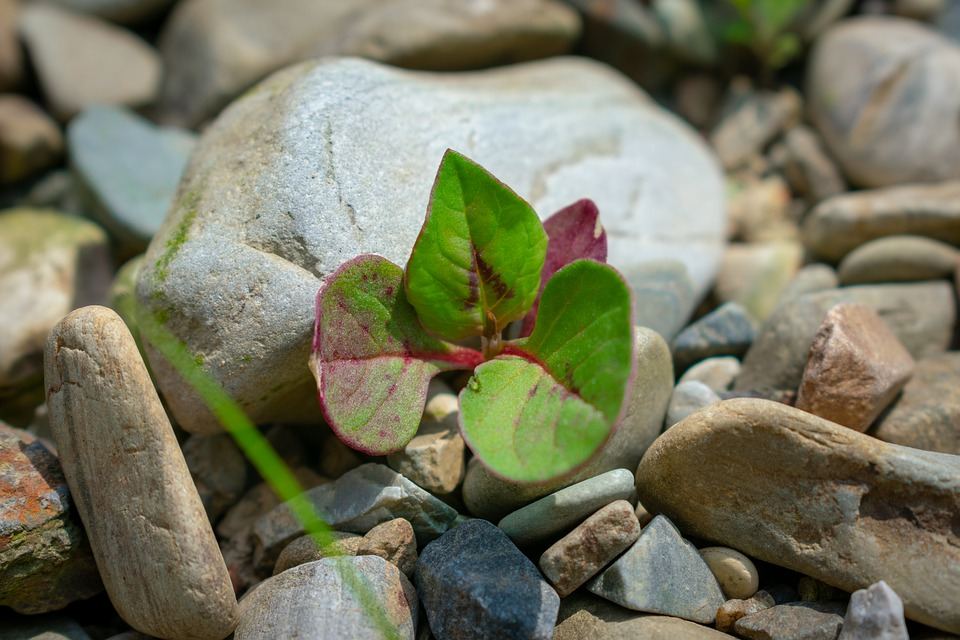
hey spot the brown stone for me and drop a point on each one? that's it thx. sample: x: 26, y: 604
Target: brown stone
x: 394, y: 541
x: 793, y: 621
x: 856, y: 368
x: 732, y: 610
x: 583, y: 552
x: 30, y: 141
x: 787, y: 487
x: 11, y: 58
x: 156, y: 552
x: 310, y: 549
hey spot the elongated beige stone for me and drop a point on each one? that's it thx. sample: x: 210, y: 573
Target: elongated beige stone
x: 788, y: 487
x: 153, y: 545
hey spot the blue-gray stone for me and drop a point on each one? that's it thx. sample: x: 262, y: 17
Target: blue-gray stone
x: 662, y: 573
x: 475, y: 584
x: 728, y: 330
x: 128, y: 170
x: 688, y: 397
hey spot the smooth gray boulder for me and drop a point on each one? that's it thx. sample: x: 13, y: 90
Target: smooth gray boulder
x: 333, y: 158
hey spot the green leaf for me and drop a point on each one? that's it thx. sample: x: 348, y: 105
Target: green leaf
x: 551, y: 401
x: 371, y: 358
x: 476, y: 265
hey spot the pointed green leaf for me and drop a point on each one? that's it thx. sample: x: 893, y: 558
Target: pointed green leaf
x: 476, y: 265
x: 371, y: 358
x: 550, y: 401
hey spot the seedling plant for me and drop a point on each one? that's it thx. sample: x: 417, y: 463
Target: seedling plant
x: 536, y: 407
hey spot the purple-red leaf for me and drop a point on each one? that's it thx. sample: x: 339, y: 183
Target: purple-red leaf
x: 573, y: 233
x: 371, y: 357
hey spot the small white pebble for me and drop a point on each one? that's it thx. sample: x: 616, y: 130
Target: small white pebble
x: 736, y: 573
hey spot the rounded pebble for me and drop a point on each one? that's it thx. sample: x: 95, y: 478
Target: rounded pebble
x: 735, y: 572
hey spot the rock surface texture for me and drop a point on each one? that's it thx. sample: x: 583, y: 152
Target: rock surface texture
x: 327, y: 160
x: 131, y: 485
x: 855, y: 510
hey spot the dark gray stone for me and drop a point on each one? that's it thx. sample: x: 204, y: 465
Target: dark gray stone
x: 728, y: 330
x: 793, y: 621
x: 475, y: 584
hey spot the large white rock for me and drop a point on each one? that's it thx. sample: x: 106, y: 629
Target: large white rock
x: 330, y: 159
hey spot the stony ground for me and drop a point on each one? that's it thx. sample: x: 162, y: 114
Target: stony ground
x: 788, y: 467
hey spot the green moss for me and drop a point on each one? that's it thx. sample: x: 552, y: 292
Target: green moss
x: 198, y: 360
x: 245, y: 358
x: 179, y: 236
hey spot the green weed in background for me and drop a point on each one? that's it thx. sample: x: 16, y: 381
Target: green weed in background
x: 762, y: 27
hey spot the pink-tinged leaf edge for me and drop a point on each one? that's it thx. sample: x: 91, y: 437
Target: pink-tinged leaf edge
x: 573, y: 233
x: 371, y: 358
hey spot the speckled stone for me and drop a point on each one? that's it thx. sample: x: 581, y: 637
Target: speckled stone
x: 662, y: 573
x: 793, y: 621
x: 732, y: 610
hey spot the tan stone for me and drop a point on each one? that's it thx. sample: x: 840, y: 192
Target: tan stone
x: 156, y: 552
x: 732, y: 610
x: 310, y: 549
x: 434, y: 458
x: 787, y: 487
x: 857, y: 366
x: 30, y: 140
x: 899, y: 258
x: 584, y: 616
x: 394, y: 541
x: 583, y: 552
x: 736, y: 573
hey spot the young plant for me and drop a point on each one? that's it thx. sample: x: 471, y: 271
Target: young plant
x: 762, y: 26
x: 536, y: 407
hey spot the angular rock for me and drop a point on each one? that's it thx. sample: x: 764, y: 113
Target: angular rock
x: 434, y: 459
x: 50, y: 263
x: 662, y: 573
x: 921, y: 315
x: 343, y: 119
x: 756, y: 275
x: 728, y: 330
x: 218, y: 469
x: 580, y: 554
x: 793, y: 621
x: 131, y: 485
x: 899, y: 259
x: 357, y: 502
x: 128, y: 171
x: 315, y: 601
x: 30, y: 141
x: 491, y: 498
x: 856, y: 368
x: 82, y: 61
x: 474, y: 583
x: 809, y: 169
x: 215, y: 49
x: 927, y: 413
x: 732, y: 610
x: 688, y: 397
x: 584, y: 616
x: 874, y: 613
x: 558, y: 512
x: 717, y: 373
x: 840, y: 224
x: 872, y: 94
x: 310, y: 549
x: 395, y: 542
x: 753, y: 122
x: 856, y: 511
x: 736, y: 573
x: 45, y: 558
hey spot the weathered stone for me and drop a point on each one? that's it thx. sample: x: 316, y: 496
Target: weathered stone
x: 717, y: 373
x: 49, y: 264
x: 584, y: 616
x: 491, y: 498
x: 82, y: 61
x: 856, y: 368
x: 662, y: 573
x: 474, y: 583
x: 899, y: 259
x: 127, y: 170
x: 315, y: 601
x: 872, y: 94
x: 357, y: 502
x: 130, y: 483
x: 45, y: 558
x: 808, y: 168
x: 688, y: 397
x: 874, y: 613
x: 840, y: 224
x: 728, y: 330
x: 559, y: 511
x: 736, y: 573
x: 752, y: 123
x: 218, y: 469
x: 215, y: 49
x: 756, y: 275
x: 240, y: 290
x: 580, y: 554
x: 394, y: 541
x: 921, y: 315
x: 732, y: 610
x: 310, y: 549
x: 793, y: 621
x: 855, y: 511
x: 434, y: 459
x: 927, y: 413
x: 30, y: 141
